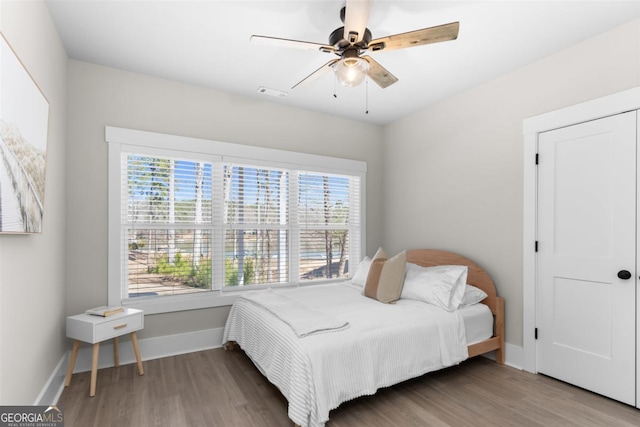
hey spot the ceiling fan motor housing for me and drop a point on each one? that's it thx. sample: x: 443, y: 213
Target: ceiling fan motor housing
x: 337, y: 40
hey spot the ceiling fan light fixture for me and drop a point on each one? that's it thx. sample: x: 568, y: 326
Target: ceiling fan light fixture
x: 354, y: 39
x: 351, y: 71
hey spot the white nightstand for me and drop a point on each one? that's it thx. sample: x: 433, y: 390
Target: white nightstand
x: 95, y: 329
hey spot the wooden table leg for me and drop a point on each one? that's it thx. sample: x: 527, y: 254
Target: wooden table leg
x: 116, y: 357
x: 136, y: 350
x: 94, y: 369
x: 72, y: 362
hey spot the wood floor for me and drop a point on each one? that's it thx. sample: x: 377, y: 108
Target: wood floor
x: 223, y: 388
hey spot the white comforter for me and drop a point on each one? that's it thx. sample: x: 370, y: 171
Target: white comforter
x: 303, y: 319
x: 384, y: 344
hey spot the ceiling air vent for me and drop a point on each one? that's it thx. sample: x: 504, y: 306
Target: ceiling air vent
x: 272, y: 92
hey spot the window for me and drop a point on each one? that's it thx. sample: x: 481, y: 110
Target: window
x: 256, y: 225
x: 166, y: 225
x: 193, y: 222
x: 325, y: 217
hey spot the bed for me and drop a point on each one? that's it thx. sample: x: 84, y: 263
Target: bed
x: 344, y: 345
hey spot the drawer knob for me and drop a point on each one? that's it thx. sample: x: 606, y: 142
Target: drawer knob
x: 120, y: 326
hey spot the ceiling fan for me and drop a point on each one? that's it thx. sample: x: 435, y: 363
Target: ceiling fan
x: 351, y: 41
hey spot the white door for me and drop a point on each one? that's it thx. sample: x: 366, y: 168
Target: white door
x: 586, y: 236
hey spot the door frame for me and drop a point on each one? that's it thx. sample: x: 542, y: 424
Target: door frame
x: 610, y: 105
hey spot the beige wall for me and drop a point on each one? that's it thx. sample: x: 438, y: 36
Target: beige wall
x: 32, y: 277
x: 453, y: 173
x: 100, y: 96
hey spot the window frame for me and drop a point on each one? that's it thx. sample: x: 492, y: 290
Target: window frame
x: 121, y: 140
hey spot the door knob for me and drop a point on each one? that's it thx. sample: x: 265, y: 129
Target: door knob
x: 624, y: 275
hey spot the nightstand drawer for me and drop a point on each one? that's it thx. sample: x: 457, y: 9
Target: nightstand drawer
x: 117, y: 327
x: 93, y: 329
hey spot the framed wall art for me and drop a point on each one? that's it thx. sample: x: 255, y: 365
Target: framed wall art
x: 24, y: 123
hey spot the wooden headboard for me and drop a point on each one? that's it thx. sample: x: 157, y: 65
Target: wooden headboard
x: 476, y: 277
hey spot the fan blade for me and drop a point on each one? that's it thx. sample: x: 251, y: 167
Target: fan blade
x: 379, y: 74
x: 275, y: 41
x: 355, y: 19
x: 315, y: 75
x: 441, y: 33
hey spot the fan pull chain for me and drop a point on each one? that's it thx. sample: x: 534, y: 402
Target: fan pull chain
x: 335, y: 86
x: 366, y: 99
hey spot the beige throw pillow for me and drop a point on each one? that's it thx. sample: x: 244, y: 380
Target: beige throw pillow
x: 386, y: 277
x: 380, y: 253
x: 373, y: 278
x: 375, y: 268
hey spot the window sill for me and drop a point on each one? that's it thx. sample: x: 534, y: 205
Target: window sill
x: 182, y: 302
x: 197, y: 301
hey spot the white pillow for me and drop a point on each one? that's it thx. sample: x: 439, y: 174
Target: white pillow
x: 472, y: 295
x: 442, y: 285
x: 362, y: 272
x: 360, y: 276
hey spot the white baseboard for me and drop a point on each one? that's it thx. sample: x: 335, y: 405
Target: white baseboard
x: 514, y: 356
x: 55, y: 384
x: 150, y: 348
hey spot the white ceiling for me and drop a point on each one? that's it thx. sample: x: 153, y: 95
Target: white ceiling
x: 206, y: 43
